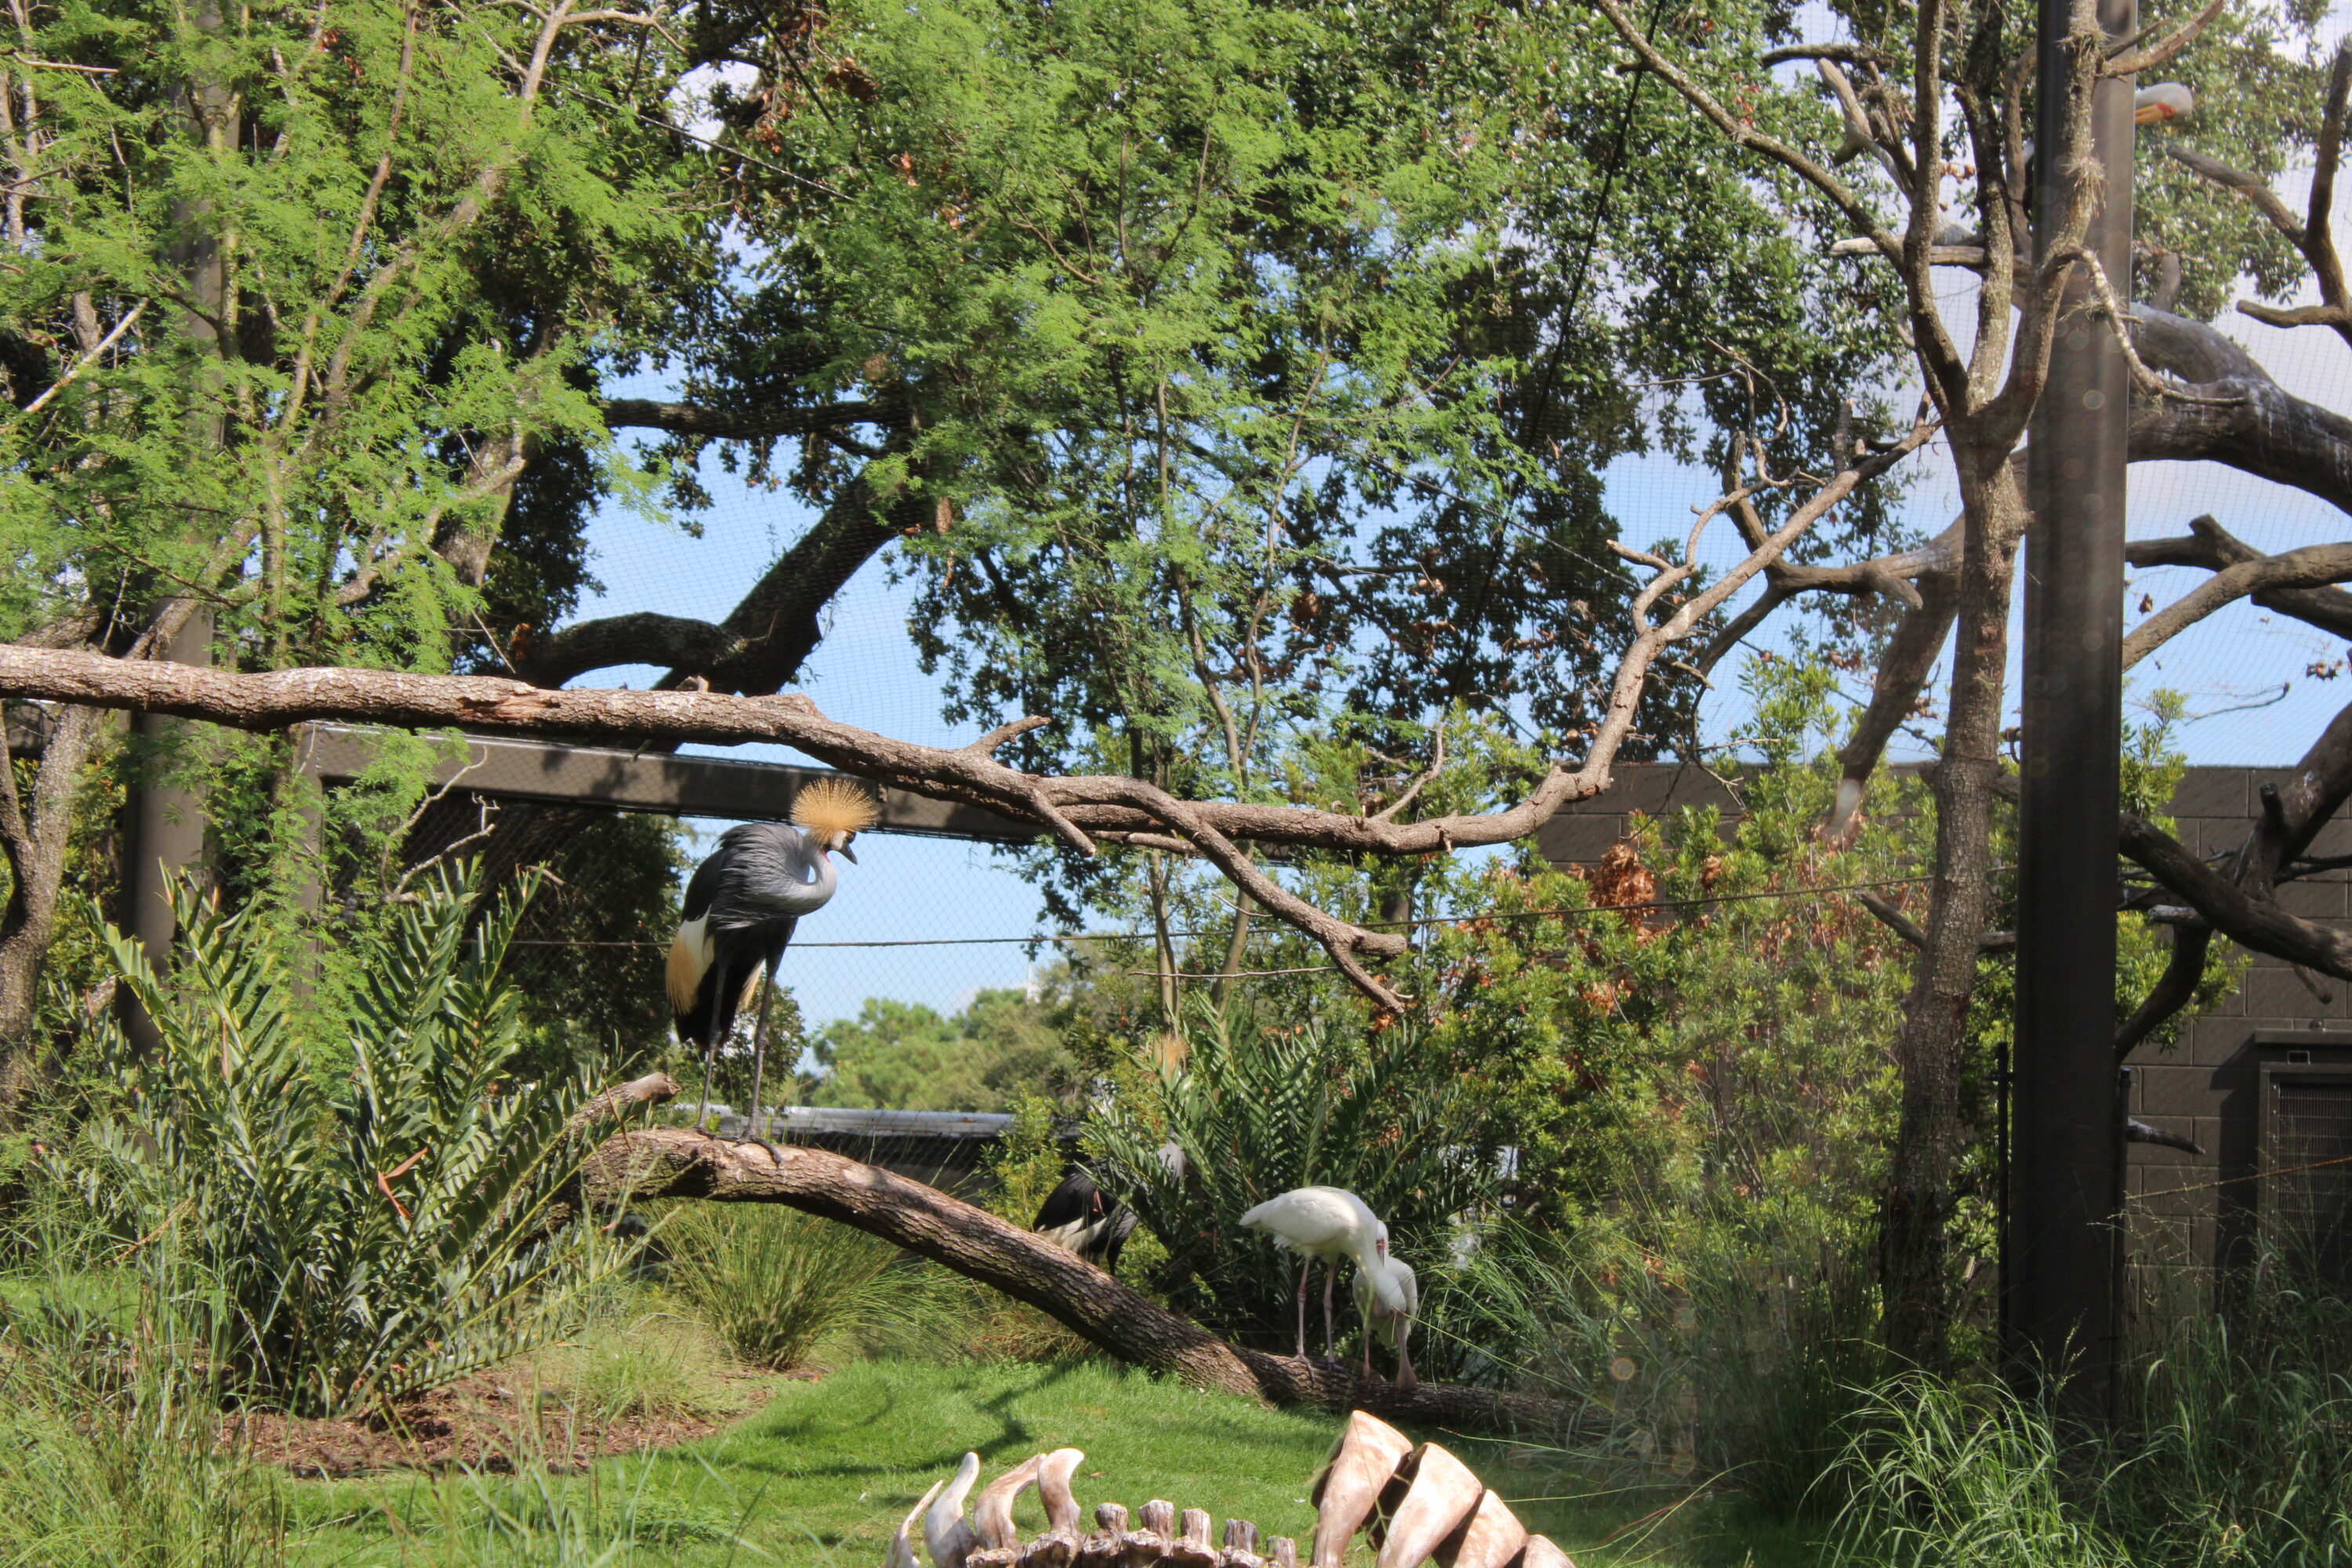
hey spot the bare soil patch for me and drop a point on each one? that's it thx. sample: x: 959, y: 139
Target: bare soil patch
x: 490, y: 1421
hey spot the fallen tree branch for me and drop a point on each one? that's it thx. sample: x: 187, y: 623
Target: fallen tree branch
x: 675, y: 1162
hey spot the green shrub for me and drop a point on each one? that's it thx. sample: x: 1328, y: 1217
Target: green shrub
x: 776, y: 1283
x: 1259, y: 1112
x: 358, y: 1239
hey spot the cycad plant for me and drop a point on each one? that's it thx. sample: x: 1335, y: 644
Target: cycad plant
x: 341, y: 1238
x: 1258, y: 1110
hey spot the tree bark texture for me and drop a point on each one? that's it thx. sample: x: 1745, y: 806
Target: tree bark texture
x: 34, y: 833
x: 1920, y: 1199
x: 676, y: 1163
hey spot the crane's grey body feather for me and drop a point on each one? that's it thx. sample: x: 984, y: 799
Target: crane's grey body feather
x: 740, y: 907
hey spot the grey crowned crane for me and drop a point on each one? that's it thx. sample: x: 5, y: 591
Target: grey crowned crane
x: 740, y: 907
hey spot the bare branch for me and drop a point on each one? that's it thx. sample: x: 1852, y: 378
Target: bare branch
x: 2308, y: 567
x: 1744, y: 135
x: 2256, y: 192
x: 2131, y: 61
x: 2210, y: 545
x: 739, y: 424
x: 129, y: 318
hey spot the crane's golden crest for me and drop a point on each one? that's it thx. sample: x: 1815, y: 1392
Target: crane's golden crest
x: 834, y: 805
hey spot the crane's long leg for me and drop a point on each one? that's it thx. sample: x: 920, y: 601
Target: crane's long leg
x: 760, y: 1063
x: 1306, y: 1271
x: 702, y: 1111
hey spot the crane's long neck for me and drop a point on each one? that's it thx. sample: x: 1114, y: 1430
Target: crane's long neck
x: 807, y: 898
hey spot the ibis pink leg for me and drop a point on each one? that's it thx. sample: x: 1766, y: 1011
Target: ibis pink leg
x: 1330, y: 1277
x: 1305, y: 1268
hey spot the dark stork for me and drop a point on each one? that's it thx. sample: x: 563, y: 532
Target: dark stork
x: 740, y: 907
x: 1077, y: 1217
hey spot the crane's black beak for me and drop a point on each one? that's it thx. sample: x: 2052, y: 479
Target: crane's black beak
x: 848, y: 854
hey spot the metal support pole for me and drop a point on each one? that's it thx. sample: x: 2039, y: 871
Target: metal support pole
x: 2058, y: 1282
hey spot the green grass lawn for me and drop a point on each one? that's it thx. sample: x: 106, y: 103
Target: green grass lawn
x: 823, y: 1474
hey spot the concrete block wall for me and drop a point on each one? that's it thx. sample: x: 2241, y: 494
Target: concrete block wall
x: 2188, y: 1214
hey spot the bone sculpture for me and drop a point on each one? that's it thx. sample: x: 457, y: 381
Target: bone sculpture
x: 1421, y: 1505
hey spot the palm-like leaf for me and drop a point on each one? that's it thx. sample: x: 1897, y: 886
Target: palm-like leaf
x: 1257, y: 1113
x: 363, y: 1238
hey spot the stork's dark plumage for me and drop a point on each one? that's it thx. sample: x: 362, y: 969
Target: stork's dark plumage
x: 740, y: 907
x: 1076, y: 1216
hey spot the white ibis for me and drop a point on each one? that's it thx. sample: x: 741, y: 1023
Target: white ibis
x: 1395, y: 1327
x: 1328, y: 1223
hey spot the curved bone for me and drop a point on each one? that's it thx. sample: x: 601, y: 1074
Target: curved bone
x: 991, y: 1518
x: 945, y: 1534
x: 1541, y: 1554
x: 1493, y: 1537
x: 1345, y: 1493
x: 1442, y: 1497
x: 902, y: 1549
x: 1054, y: 1473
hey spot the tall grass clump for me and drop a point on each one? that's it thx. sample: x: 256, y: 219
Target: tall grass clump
x: 775, y: 1284
x: 1945, y: 1475
x: 348, y: 1235
x: 114, y: 1452
x: 2241, y: 1426
x: 2231, y: 1443
x: 143, y: 1474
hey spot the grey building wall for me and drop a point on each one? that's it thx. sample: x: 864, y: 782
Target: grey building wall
x: 2262, y: 1080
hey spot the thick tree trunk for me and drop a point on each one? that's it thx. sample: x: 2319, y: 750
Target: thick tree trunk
x: 34, y: 833
x: 1915, y: 1276
x: 678, y: 1164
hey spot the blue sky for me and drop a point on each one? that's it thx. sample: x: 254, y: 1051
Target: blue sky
x: 2242, y: 671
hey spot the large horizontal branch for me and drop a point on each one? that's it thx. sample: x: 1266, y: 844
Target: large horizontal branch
x: 645, y: 637
x: 2236, y: 414
x: 760, y: 645
x: 749, y: 422
x: 1075, y: 808
x: 673, y: 1163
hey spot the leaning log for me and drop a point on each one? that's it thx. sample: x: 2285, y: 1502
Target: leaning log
x: 680, y: 1163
